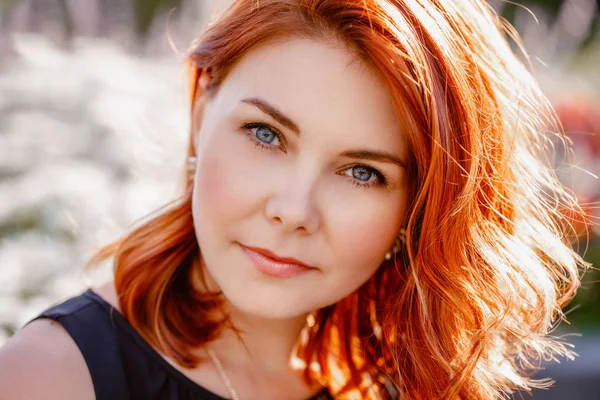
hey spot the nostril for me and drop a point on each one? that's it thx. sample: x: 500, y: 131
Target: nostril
x: 302, y: 229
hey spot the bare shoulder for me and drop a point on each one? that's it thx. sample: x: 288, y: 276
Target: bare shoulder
x: 109, y: 293
x: 43, y: 361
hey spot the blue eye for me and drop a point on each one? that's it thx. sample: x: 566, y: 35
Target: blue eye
x: 362, y: 173
x: 365, y: 176
x: 265, y: 135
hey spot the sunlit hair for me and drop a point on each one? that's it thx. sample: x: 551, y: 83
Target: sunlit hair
x: 466, y: 308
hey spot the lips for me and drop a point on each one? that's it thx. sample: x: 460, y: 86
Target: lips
x: 272, y: 264
x: 275, y: 257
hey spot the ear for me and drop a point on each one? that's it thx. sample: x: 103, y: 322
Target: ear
x: 199, y: 97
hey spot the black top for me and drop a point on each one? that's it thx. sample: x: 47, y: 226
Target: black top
x: 122, y: 364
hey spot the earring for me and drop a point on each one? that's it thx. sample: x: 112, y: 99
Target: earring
x: 400, y: 240
x: 191, y: 165
x: 377, y: 331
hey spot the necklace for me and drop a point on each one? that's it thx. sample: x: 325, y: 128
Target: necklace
x: 217, y: 363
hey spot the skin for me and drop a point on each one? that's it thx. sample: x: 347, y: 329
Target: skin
x: 297, y: 195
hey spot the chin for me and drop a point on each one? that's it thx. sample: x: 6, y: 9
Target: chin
x: 272, y: 302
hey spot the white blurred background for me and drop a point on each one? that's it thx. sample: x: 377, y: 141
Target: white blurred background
x: 93, y: 128
x: 94, y: 123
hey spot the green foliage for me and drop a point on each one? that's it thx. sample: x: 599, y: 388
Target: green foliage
x: 586, y: 305
x: 509, y: 11
x: 145, y: 11
x: 6, y: 4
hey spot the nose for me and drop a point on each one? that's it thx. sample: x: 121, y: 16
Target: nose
x: 294, y: 208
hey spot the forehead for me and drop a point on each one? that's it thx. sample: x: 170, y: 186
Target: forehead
x: 324, y: 88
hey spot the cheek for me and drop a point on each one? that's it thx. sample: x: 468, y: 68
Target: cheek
x: 214, y: 197
x: 225, y: 185
x: 210, y: 188
x: 364, y: 233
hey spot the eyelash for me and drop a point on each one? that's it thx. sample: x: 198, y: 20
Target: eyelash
x: 248, y: 126
x: 381, y: 181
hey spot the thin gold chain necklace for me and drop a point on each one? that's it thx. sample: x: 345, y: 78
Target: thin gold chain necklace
x: 217, y: 363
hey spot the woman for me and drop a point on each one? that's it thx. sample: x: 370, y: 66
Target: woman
x: 365, y: 215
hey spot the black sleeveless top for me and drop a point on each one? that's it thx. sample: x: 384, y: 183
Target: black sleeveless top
x: 123, y: 366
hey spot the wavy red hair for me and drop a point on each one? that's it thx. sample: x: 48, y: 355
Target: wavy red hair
x: 467, y: 310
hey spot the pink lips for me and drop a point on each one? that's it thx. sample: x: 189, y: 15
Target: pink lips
x: 269, y: 263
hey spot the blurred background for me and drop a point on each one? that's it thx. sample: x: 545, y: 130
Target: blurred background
x: 93, y: 127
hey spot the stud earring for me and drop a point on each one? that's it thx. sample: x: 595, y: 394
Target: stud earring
x: 400, y: 240
x: 377, y: 330
x: 191, y: 165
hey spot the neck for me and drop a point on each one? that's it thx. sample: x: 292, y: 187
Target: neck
x: 263, y: 344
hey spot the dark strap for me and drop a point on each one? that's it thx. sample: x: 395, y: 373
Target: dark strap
x: 92, y: 330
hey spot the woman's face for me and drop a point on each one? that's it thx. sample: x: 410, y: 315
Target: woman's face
x: 300, y: 156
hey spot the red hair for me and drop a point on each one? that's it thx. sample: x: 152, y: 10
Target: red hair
x: 487, y: 264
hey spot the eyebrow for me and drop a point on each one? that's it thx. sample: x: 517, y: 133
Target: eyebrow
x: 276, y: 114
x: 380, y: 156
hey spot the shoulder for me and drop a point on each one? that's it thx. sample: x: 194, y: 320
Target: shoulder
x: 43, y: 361
x: 108, y: 293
